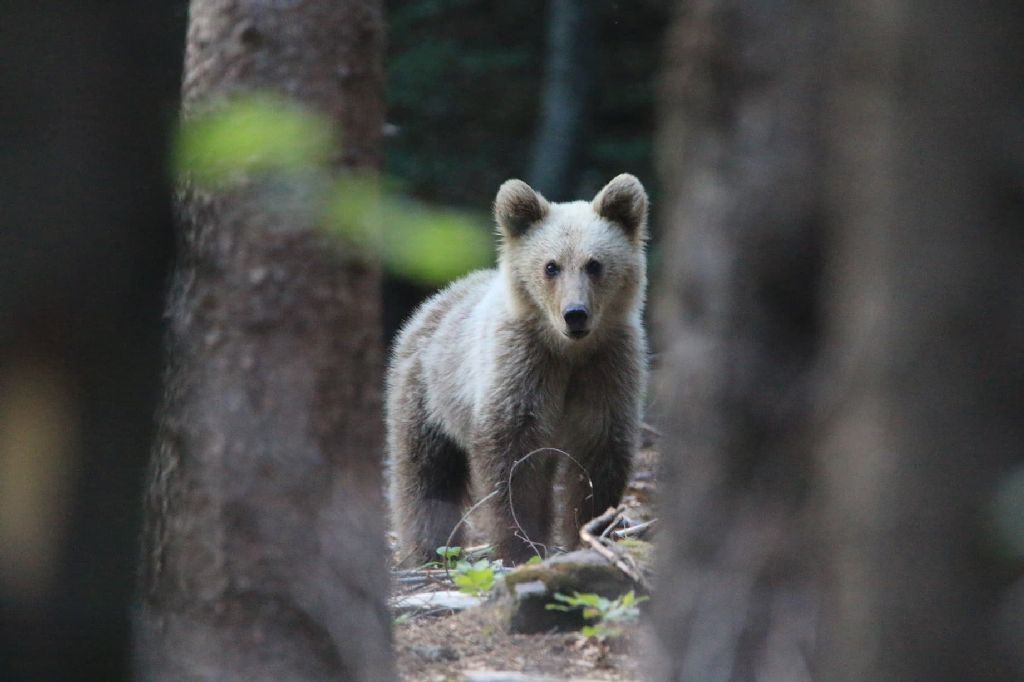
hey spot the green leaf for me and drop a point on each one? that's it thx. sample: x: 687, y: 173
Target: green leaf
x: 449, y: 555
x: 476, y: 578
x: 257, y: 132
x: 449, y: 552
x: 427, y: 244
x: 558, y: 607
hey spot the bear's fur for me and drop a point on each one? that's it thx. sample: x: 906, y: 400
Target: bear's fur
x: 491, y: 369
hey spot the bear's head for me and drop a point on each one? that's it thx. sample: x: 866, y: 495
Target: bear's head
x: 577, y: 267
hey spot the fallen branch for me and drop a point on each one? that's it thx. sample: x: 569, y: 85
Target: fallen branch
x: 587, y: 535
x: 632, y: 531
x: 620, y: 519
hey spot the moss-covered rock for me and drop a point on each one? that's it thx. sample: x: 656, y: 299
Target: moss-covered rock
x: 529, y: 589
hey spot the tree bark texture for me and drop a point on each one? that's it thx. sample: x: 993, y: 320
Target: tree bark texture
x: 565, y: 99
x: 264, y: 545
x: 924, y: 414
x: 737, y: 329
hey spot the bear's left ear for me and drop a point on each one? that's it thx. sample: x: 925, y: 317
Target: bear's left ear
x: 623, y: 201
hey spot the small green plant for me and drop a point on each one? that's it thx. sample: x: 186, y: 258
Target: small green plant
x: 449, y: 556
x: 534, y: 560
x: 475, y: 578
x: 605, y: 613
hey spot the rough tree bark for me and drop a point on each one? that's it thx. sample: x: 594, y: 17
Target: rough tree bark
x: 565, y: 99
x: 925, y: 409
x: 736, y: 322
x: 264, y: 546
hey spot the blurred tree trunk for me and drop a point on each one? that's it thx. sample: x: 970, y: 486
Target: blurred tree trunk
x: 926, y: 337
x: 264, y: 546
x: 565, y: 100
x: 737, y: 327
x: 87, y: 94
x: 917, y: 382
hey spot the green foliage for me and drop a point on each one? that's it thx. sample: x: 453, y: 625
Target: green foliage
x: 265, y: 135
x: 423, y: 243
x: 449, y: 555
x: 252, y: 133
x: 604, y: 612
x: 534, y: 560
x: 475, y: 578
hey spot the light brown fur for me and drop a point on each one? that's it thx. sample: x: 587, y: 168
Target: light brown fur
x: 485, y: 372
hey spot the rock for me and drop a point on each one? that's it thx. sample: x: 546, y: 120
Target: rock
x: 434, y: 654
x: 444, y: 601
x: 505, y: 676
x: 529, y: 589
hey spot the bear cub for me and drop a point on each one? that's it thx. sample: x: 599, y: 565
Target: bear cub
x: 547, y: 351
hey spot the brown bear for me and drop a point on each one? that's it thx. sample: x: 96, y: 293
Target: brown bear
x: 546, y: 352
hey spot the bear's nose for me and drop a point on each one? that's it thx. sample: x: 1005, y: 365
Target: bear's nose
x: 576, y: 318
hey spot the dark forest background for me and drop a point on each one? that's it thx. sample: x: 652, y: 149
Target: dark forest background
x: 561, y: 94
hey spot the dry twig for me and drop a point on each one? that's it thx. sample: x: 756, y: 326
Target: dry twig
x: 632, y: 531
x: 587, y: 535
x: 511, y: 506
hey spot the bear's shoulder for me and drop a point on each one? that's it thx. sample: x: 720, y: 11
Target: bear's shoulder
x: 464, y: 291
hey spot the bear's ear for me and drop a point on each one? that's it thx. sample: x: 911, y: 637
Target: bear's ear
x: 623, y: 201
x: 517, y: 207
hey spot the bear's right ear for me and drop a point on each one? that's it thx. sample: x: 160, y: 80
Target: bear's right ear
x: 517, y: 207
x: 623, y: 201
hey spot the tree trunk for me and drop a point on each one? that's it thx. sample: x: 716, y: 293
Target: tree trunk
x: 925, y: 410
x: 86, y: 96
x: 264, y: 546
x: 885, y: 516
x: 568, y: 80
x: 737, y: 327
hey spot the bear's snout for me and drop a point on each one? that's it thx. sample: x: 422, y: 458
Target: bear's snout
x: 576, y: 318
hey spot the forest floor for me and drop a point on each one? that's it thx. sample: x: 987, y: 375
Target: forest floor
x: 466, y: 646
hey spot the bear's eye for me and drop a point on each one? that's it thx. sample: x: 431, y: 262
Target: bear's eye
x: 593, y: 268
x: 552, y: 269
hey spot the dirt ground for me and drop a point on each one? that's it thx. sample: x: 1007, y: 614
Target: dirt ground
x: 443, y: 648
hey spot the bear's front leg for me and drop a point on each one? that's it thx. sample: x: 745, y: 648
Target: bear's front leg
x: 519, y: 512
x: 602, y: 421
x: 608, y: 470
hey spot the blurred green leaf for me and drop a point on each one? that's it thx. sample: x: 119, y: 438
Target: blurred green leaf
x: 425, y: 244
x: 435, y: 246
x: 263, y: 133
x: 257, y: 132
